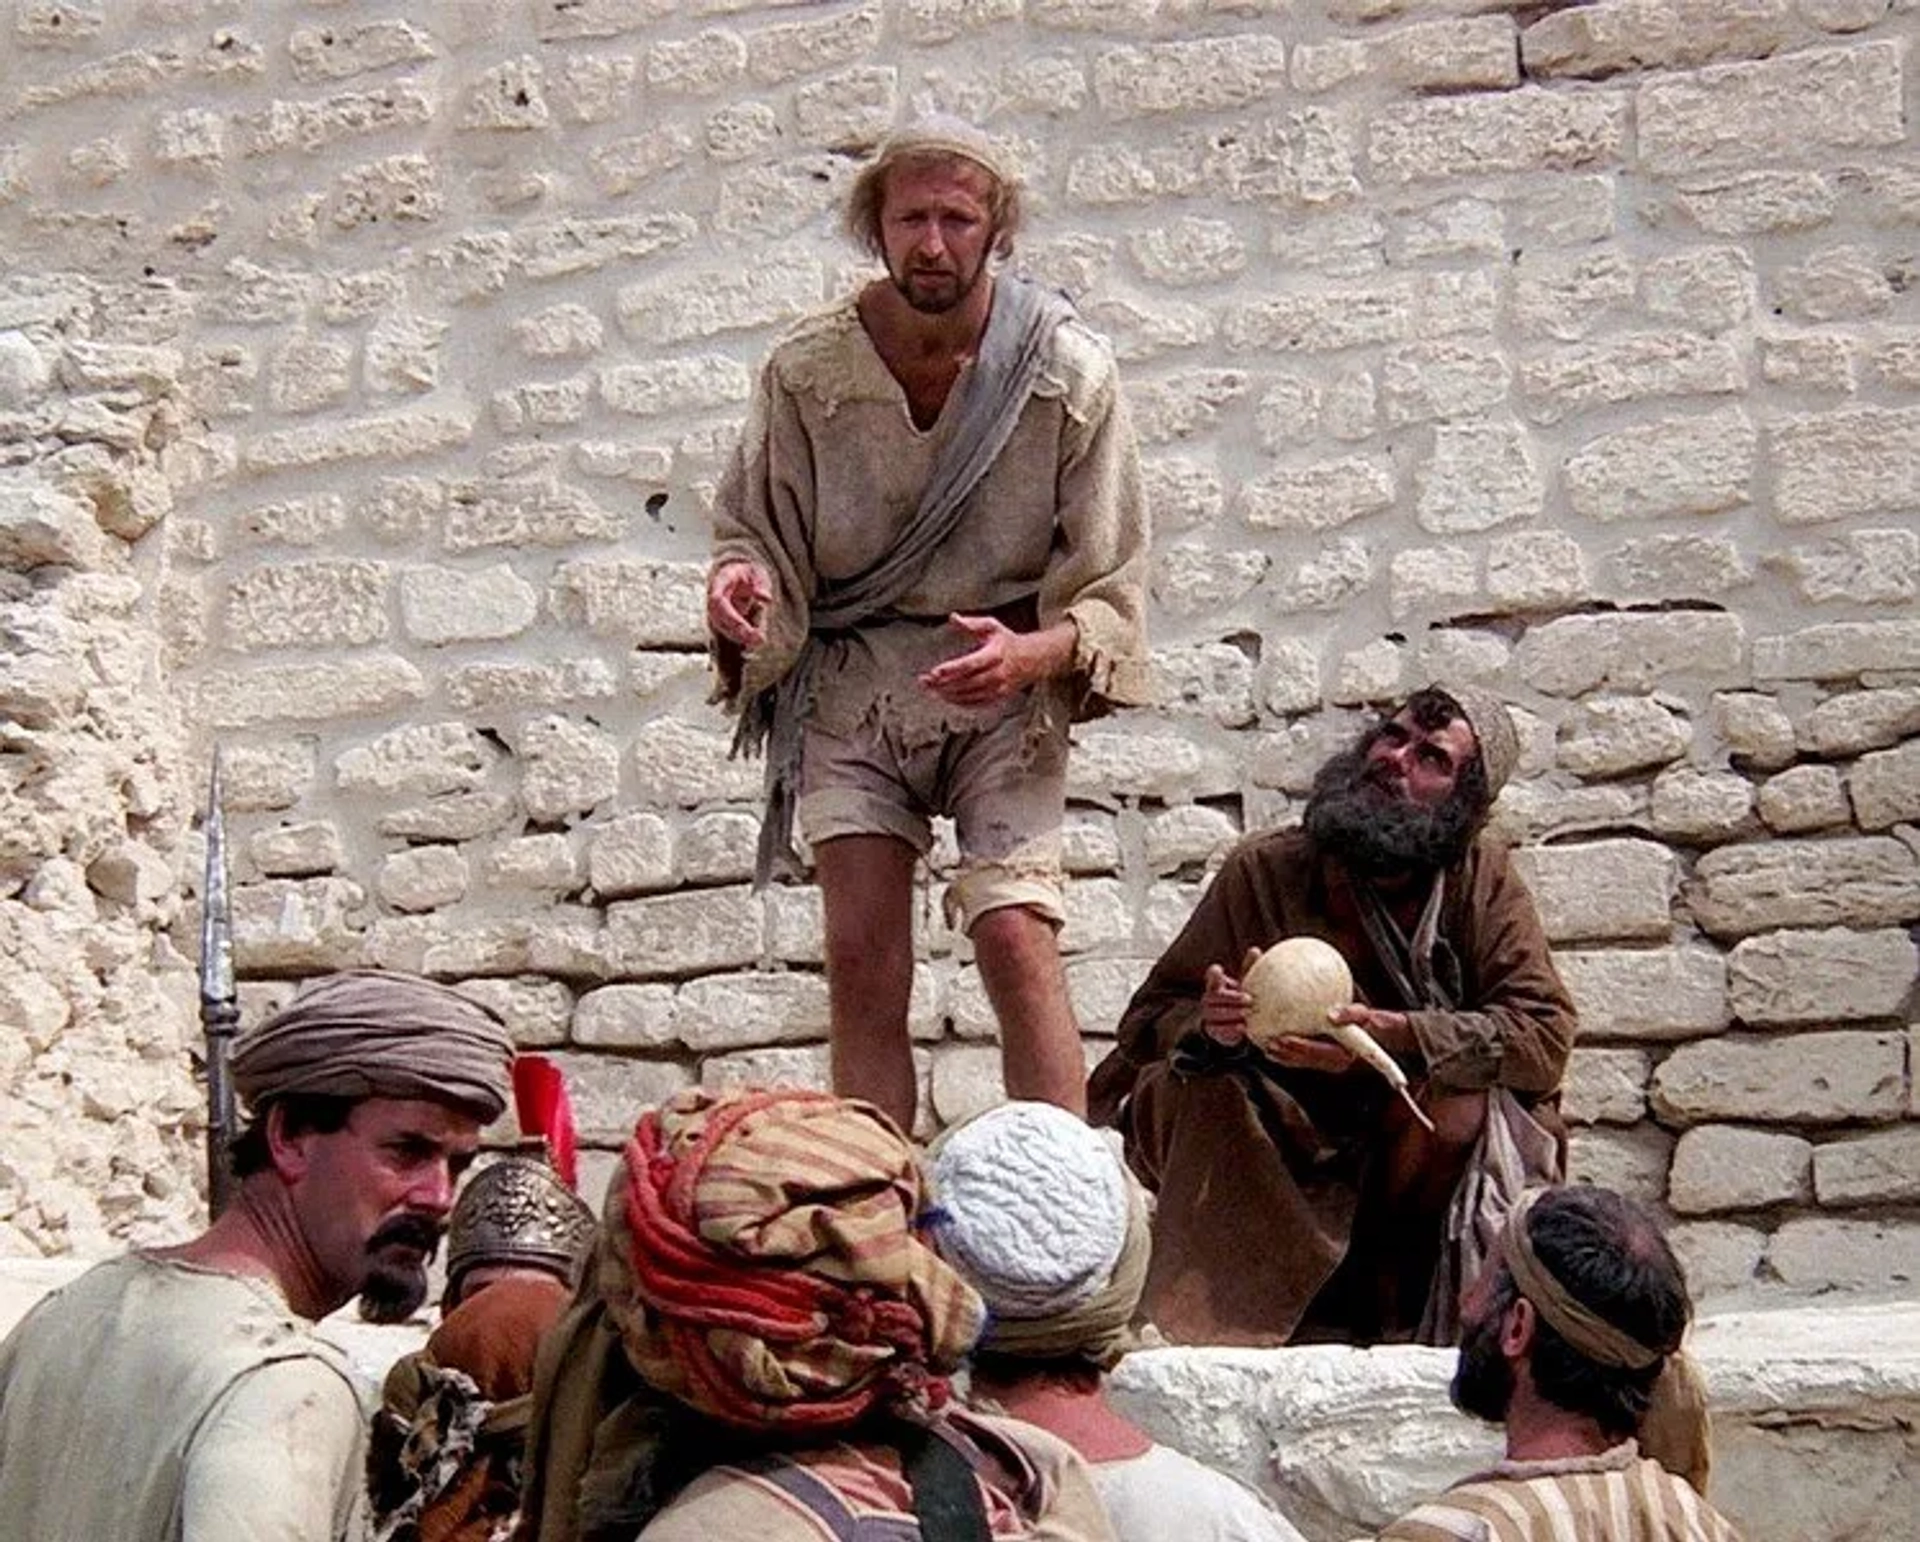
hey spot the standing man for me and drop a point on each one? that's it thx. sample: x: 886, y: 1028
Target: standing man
x: 1303, y: 1147
x: 180, y: 1392
x: 1568, y: 1342
x: 929, y: 557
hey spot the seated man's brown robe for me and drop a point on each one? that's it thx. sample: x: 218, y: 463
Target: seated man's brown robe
x: 1273, y: 1221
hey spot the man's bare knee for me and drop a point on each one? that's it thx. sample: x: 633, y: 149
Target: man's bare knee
x: 1458, y: 1118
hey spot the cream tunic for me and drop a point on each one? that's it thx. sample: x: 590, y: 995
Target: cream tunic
x: 154, y: 1401
x: 831, y: 466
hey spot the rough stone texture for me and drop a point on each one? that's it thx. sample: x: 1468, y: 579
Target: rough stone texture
x: 1864, y: 1256
x: 1721, y: 1167
x: 1612, y: 735
x: 1647, y: 993
x: 1828, y: 976
x: 1606, y: 1086
x: 1885, y: 787
x: 1814, y: 1078
x: 1601, y: 890
x: 1861, y: 881
x: 1802, y: 799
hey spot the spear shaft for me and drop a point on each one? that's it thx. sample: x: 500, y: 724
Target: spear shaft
x: 219, y: 1001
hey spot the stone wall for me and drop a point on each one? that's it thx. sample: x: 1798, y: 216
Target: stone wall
x: 1575, y: 350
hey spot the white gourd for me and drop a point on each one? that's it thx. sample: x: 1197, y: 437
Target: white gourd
x: 1294, y: 985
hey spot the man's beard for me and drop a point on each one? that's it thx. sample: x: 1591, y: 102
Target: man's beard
x: 940, y: 300
x: 1482, y: 1386
x: 394, y: 1286
x: 1374, y: 829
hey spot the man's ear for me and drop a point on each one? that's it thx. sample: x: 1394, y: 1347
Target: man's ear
x: 1517, y: 1329
x: 286, y: 1149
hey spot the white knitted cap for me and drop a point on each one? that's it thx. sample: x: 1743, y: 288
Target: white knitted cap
x: 1035, y: 1208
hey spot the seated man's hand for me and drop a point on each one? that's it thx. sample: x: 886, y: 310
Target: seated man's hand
x: 739, y: 595
x: 1392, y: 1031
x: 1224, y: 1003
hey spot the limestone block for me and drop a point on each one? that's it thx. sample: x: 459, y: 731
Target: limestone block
x: 1288, y: 759
x: 1804, y: 798
x: 695, y: 932
x: 1535, y: 570
x: 1431, y: 579
x: 1320, y: 321
x: 1633, y: 1161
x: 847, y: 108
x: 1183, y: 403
x: 260, y: 778
x: 1785, y: 110
x: 1468, y: 54
x: 533, y: 862
x: 1837, y: 283
x: 1189, y: 251
x: 1864, y: 881
x: 306, y: 604
x: 1618, y: 36
x: 610, y: 1092
x: 1530, y: 813
x: 1754, y: 728
x: 1629, y: 651
x: 1864, y: 567
x: 1183, y: 494
x: 1090, y: 843
x: 654, y: 678
x: 1349, y: 413
x: 131, y: 873
x: 796, y: 924
x: 1697, y: 465
x: 567, y: 767
x: 1477, y: 476
x: 1339, y: 571
x: 1699, y: 807
x: 530, y: 511
x: 1101, y: 989
x: 704, y: 302
x: 1454, y: 227
x: 741, y: 1011
x: 1600, y: 891
x: 1632, y: 367
x: 1567, y: 295
x: 1821, y: 1254
x: 1848, y: 722
x: 768, y: 201
x: 315, y: 124
x: 795, y: 1065
x: 426, y: 758
x: 297, y: 850
x: 1099, y: 916
x: 1613, y: 735
x: 1805, y: 1078
x: 1374, y: 673
x: 1885, y: 787
x: 402, y: 510
x: 403, y: 354
x: 296, y: 925
x: 1678, y: 567
x: 1130, y: 762
x: 355, y: 686
x: 504, y: 683
x: 1881, y: 1168
x: 1606, y: 1086
x: 1455, y: 653
x: 308, y: 373
x: 337, y: 51
x: 1319, y: 497
x: 719, y: 848
x: 708, y: 61
x: 1517, y: 131
x: 1708, y: 288
x: 1201, y: 75
x: 681, y: 764
x: 1421, y: 382
x: 423, y: 878
x: 536, y: 1011
x: 1719, y: 1167
x: 1291, y: 674
x: 1896, y: 360
x: 798, y: 48
x: 1838, y: 650
x: 632, y: 161
x: 1833, y: 465
x: 41, y: 526
x: 444, y: 605
x: 564, y: 331
x: 1646, y: 993
x: 625, y: 1017
x: 1205, y: 680
x: 459, y: 816
x: 394, y: 436
x: 1191, y: 582
x: 1812, y: 363
x: 631, y: 855
x: 1190, y: 836
x: 649, y: 604
x: 1718, y: 1256
x: 674, y: 385
x: 587, y: 245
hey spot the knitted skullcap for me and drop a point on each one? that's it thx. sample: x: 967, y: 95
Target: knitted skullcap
x: 1493, y: 729
x: 944, y: 134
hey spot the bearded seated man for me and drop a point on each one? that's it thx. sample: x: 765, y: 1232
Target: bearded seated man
x: 1299, y: 1199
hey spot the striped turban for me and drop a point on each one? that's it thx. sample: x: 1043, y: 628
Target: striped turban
x: 760, y: 1260
x: 366, y: 1033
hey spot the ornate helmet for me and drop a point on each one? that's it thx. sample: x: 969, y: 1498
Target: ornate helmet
x: 522, y: 1211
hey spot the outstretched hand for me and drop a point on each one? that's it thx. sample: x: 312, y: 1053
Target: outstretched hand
x: 1001, y: 664
x: 739, y: 594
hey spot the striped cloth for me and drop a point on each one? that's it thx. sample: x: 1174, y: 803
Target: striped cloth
x: 1618, y: 1496
x: 761, y: 1262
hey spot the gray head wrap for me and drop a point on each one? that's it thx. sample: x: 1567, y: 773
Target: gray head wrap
x: 1493, y: 729
x: 365, y: 1033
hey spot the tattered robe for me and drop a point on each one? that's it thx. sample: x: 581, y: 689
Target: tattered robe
x: 1265, y: 1230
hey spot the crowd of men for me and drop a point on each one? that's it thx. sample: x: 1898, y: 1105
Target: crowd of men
x: 788, y: 1321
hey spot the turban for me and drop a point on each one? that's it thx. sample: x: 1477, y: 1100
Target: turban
x: 1675, y: 1431
x: 1493, y: 731
x: 1039, y: 1214
x: 760, y: 1261
x: 364, y: 1033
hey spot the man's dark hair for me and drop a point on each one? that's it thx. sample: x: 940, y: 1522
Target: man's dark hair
x: 1611, y: 1257
x: 247, y: 1152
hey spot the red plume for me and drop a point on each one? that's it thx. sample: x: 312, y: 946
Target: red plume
x: 540, y: 1103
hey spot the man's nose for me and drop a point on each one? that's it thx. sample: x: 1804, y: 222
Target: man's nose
x: 932, y: 243
x: 433, y: 1192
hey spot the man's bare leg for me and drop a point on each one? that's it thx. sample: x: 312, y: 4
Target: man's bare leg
x: 1019, y: 960
x: 867, y: 884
